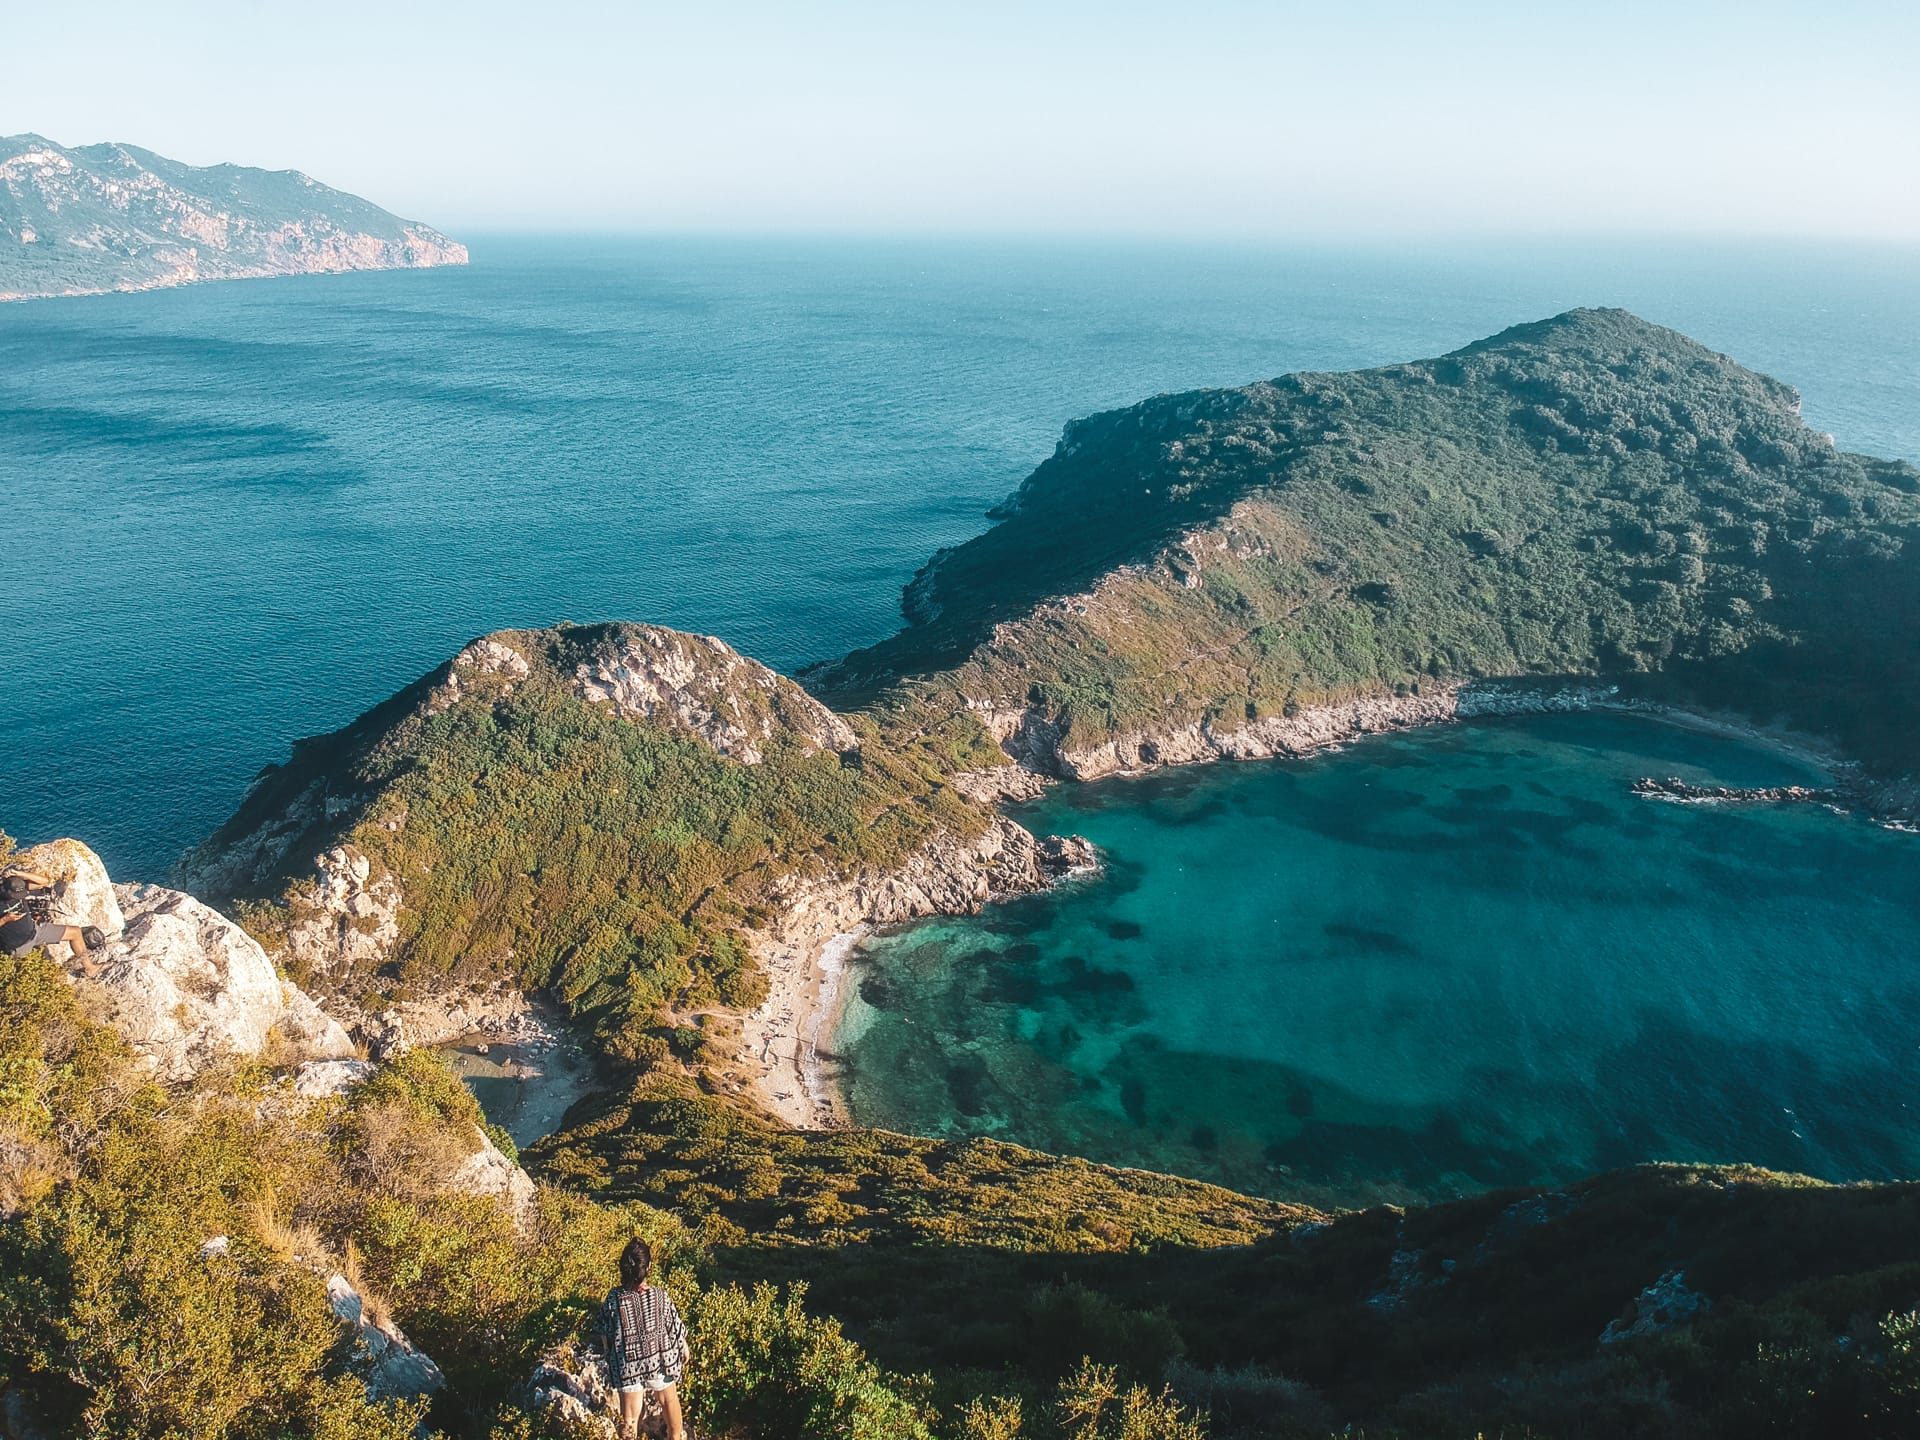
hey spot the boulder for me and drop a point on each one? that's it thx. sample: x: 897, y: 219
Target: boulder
x: 1664, y: 1305
x: 489, y: 1172
x: 188, y: 987
x: 327, y: 1079
x: 393, y: 1367
x: 84, y: 894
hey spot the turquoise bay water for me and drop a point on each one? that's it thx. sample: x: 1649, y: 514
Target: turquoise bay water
x: 1421, y: 966
x: 242, y: 513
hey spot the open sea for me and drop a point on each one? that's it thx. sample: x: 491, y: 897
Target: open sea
x: 242, y: 513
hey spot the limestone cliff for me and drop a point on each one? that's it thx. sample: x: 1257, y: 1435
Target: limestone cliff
x: 99, y: 218
x: 183, y: 984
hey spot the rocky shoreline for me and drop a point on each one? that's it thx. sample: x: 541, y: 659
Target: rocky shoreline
x: 796, y: 1084
x: 1040, y: 746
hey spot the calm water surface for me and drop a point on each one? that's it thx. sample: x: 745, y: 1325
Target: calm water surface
x: 1422, y: 966
x: 243, y: 513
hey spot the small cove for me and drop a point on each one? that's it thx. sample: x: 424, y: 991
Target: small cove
x: 1428, y: 964
x: 525, y: 1087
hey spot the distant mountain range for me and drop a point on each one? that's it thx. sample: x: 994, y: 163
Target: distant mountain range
x: 100, y: 218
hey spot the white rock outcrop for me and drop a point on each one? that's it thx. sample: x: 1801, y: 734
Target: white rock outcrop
x: 703, y: 685
x: 187, y: 987
x: 329, y: 1079
x: 83, y: 893
x: 489, y: 1172
x: 345, y: 916
x: 1039, y: 742
x: 394, y: 1367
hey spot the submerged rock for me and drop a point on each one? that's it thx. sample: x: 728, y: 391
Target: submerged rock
x: 1650, y: 788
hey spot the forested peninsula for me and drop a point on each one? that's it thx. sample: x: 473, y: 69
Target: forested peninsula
x: 657, y: 835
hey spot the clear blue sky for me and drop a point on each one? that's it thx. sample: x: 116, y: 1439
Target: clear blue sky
x: 1194, y: 116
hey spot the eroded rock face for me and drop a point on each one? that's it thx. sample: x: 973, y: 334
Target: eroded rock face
x: 699, y: 684
x: 571, y: 1387
x: 950, y: 875
x: 345, y: 915
x: 490, y: 655
x: 1040, y: 743
x: 502, y: 1013
x: 187, y: 987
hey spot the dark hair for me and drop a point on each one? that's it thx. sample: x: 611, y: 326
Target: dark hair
x: 636, y: 1263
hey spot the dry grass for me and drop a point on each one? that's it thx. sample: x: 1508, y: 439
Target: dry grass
x: 396, y: 1150
x: 374, y: 1308
x: 286, y: 1242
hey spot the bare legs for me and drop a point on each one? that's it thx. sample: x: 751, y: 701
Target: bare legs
x: 633, y: 1402
x: 630, y: 1403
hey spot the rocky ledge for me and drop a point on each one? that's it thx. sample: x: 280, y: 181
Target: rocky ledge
x: 185, y: 985
x: 1038, y: 743
x: 1682, y: 791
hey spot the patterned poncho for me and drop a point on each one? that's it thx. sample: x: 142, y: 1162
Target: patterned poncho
x: 640, y: 1331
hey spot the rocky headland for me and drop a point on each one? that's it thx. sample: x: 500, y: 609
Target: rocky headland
x: 92, y: 219
x: 665, y: 840
x: 666, y: 836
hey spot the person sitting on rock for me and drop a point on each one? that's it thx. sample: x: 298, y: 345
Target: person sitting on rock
x: 644, y: 1341
x: 21, y: 932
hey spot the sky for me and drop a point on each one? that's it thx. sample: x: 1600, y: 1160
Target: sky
x: 1190, y: 117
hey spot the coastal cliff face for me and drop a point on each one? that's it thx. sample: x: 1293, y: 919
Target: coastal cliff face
x: 100, y: 218
x: 182, y: 984
x: 1587, y: 500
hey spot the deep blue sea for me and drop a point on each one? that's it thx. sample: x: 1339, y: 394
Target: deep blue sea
x: 242, y: 513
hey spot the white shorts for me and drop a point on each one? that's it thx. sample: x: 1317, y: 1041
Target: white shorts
x: 649, y: 1382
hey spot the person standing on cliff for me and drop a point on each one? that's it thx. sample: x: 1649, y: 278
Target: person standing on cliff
x: 21, y: 932
x: 645, y: 1343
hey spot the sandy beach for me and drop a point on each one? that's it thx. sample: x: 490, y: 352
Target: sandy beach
x: 780, y: 1042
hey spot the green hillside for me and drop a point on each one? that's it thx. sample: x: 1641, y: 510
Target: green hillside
x: 1585, y: 496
